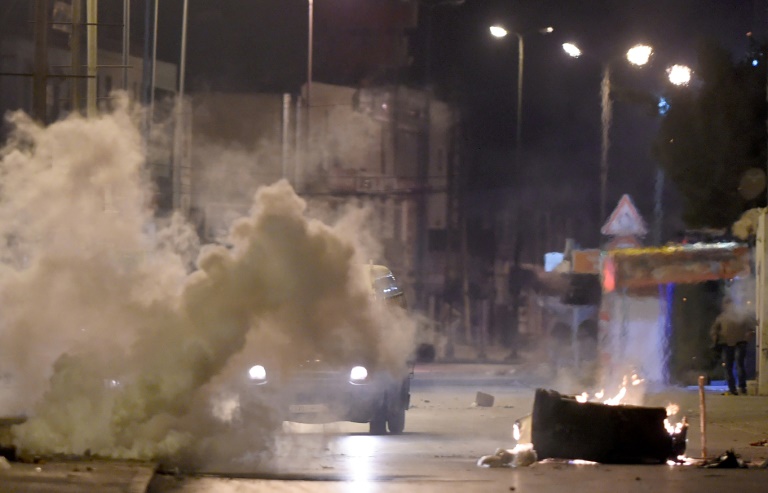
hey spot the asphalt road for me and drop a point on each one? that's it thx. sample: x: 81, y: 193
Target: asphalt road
x: 446, y: 434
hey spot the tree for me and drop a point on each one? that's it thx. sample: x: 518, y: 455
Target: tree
x: 714, y: 134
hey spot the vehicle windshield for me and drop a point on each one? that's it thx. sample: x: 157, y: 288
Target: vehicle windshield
x: 386, y: 287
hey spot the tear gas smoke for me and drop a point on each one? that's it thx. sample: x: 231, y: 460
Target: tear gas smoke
x: 116, y: 349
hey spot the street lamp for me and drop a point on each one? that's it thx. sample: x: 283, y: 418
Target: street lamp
x: 572, y: 50
x: 679, y: 75
x: 500, y: 32
x: 638, y: 55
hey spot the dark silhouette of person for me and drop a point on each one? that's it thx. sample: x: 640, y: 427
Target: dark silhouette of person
x: 730, y: 332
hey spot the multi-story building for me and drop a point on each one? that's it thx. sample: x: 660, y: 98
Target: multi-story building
x: 63, y: 58
x: 391, y: 148
x: 369, y: 137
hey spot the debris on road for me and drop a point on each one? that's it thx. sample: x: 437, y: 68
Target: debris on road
x: 760, y: 443
x: 564, y: 428
x: 484, y: 400
x: 727, y: 460
x: 521, y: 456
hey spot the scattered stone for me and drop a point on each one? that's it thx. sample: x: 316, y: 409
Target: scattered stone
x: 484, y: 400
x: 4, y: 464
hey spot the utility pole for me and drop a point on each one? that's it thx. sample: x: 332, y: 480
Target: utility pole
x: 92, y: 17
x: 77, y: 7
x: 761, y: 289
x: 180, y: 173
x: 40, y: 77
x: 761, y: 282
x: 453, y: 229
x: 126, y: 40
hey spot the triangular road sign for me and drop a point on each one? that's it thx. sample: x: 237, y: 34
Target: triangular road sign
x: 624, y: 220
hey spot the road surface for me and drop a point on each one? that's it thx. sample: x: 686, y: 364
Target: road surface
x: 446, y: 434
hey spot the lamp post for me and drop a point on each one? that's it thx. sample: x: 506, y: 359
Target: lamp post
x: 678, y: 75
x: 180, y: 182
x: 310, y: 38
x: 301, y: 162
x: 638, y: 55
x: 499, y: 32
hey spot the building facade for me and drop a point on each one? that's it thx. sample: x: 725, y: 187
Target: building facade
x: 389, y: 148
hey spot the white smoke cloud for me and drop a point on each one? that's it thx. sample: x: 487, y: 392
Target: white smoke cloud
x: 115, y: 348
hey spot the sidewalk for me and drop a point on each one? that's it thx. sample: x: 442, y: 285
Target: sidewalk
x: 76, y: 476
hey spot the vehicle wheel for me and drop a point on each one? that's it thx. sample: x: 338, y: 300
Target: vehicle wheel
x: 378, y: 426
x: 396, y: 421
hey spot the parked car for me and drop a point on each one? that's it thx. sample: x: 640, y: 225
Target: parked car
x: 318, y: 391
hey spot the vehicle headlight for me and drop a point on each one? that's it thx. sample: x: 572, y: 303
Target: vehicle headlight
x: 257, y: 372
x: 358, y: 374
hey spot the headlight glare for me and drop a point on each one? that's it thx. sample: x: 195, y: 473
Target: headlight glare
x: 358, y: 373
x: 257, y: 372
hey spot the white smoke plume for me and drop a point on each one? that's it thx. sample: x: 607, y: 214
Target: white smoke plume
x: 114, y: 346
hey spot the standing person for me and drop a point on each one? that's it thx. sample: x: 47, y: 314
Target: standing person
x: 730, y: 332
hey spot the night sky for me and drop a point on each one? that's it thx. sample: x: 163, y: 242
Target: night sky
x: 260, y: 45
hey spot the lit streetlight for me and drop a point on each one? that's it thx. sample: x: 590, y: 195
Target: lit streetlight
x: 572, y: 50
x: 498, y: 31
x: 679, y: 75
x: 639, y: 55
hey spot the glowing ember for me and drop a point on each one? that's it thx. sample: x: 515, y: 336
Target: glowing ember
x: 580, y: 462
